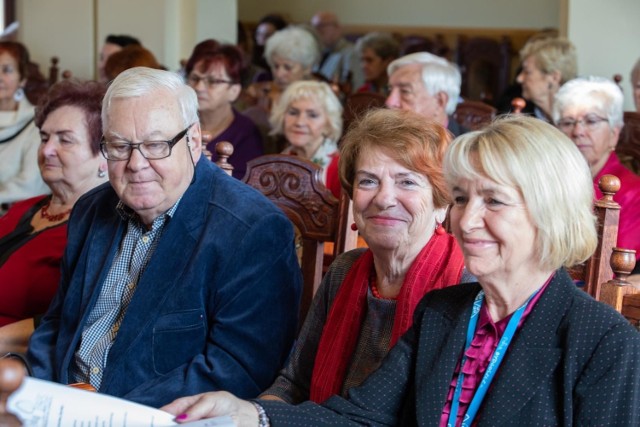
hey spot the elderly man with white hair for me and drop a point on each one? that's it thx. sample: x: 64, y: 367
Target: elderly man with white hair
x: 428, y: 85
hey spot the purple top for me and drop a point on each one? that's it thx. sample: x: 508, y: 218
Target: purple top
x: 484, y: 343
x: 246, y: 139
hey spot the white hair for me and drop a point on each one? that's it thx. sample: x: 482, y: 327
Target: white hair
x: 141, y: 81
x: 595, y: 91
x: 438, y: 75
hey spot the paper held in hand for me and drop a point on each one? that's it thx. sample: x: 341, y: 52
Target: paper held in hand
x: 39, y: 403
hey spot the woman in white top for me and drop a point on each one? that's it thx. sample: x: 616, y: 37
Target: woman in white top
x: 19, y: 139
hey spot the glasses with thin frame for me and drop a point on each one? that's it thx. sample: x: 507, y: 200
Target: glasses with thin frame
x: 209, y: 81
x: 118, y: 150
x: 590, y: 122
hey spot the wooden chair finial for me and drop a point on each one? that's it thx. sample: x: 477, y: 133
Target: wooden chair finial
x: 518, y: 105
x: 609, y: 185
x: 615, y: 291
x: 623, y: 261
x: 617, y: 78
x: 224, y: 150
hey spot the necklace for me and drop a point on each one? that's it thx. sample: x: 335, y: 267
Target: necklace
x: 374, y: 288
x: 44, y: 213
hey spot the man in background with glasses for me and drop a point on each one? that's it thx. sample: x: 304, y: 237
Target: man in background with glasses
x: 177, y: 279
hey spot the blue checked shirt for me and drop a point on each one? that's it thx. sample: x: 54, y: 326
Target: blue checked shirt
x: 106, y: 316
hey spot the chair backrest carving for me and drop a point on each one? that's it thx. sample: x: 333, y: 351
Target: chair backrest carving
x: 295, y: 186
x: 485, y: 66
x: 357, y: 104
x: 474, y: 114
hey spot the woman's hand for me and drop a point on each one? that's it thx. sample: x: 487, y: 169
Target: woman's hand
x: 214, y: 404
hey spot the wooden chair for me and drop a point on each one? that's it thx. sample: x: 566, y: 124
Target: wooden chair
x: 224, y: 150
x: 597, y: 269
x: 618, y: 292
x: 628, y: 148
x: 485, y: 66
x: 474, y: 114
x: 294, y: 185
x: 357, y: 104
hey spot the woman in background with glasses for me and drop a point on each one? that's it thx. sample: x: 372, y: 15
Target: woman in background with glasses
x: 213, y: 71
x: 589, y: 111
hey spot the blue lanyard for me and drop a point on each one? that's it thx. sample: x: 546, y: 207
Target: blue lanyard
x: 496, y: 359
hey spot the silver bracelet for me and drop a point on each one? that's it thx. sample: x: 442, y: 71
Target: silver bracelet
x: 263, y: 420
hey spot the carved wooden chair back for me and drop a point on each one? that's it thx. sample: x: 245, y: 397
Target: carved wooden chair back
x: 485, y: 66
x: 628, y: 148
x: 359, y: 103
x: 474, y: 114
x: 294, y: 185
x: 597, y: 269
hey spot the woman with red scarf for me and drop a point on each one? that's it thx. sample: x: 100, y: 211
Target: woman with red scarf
x: 390, y: 164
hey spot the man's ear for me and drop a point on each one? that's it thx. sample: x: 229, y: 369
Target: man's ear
x: 194, y: 140
x: 442, y: 99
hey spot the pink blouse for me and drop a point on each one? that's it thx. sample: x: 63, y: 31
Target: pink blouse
x: 484, y: 343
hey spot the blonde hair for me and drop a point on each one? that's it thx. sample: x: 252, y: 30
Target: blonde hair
x: 553, y: 54
x: 312, y: 90
x: 547, y: 169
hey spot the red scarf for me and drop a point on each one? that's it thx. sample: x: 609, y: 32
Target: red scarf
x: 438, y: 264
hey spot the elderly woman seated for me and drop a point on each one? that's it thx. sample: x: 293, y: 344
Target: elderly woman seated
x: 309, y: 116
x: 213, y: 71
x: 391, y: 166
x: 19, y: 175
x: 589, y: 111
x: 291, y: 54
x: 377, y: 51
x: 523, y: 346
x: 33, y: 234
x: 547, y: 63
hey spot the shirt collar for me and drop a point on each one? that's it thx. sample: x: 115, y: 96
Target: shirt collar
x: 128, y: 214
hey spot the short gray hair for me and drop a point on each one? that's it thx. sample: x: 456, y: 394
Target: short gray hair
x: 438, y: 75
x: 382, y: 44
x: 602, y: 93
x: 319, y: 92
x: 550, y: 173
x: 142, y: 81
x: 293, y: 43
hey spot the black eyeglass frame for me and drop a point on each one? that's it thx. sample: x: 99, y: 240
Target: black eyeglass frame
x: 208, y: 81
x: 136, y: 146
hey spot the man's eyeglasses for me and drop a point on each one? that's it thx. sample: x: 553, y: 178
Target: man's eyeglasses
x: 589, y: 122
x: 194, y: 80
x: 151, y: 150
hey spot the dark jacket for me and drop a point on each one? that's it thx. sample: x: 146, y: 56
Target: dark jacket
x: 215, y: 309
x: 574, y: 362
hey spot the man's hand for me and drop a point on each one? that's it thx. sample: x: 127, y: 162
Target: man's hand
x: 11, y: 376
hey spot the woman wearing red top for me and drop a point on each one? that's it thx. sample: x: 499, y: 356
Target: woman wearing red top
x: 589, y: 111
x: 33, y: 232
